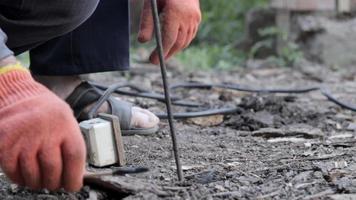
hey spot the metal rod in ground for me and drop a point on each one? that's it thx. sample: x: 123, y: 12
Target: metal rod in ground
x: 166, y: 88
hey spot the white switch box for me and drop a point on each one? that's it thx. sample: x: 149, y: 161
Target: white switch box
x: 100, y: 140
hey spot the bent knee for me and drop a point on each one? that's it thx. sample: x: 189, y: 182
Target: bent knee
x: 77, y: 12
x: 67, y: 15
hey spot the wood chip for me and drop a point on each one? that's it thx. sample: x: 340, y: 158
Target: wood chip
x: 341, y: 136
x: 289, y: 139
x: 288, y: 131
x: 123, y: 186
x: 207, y: 121
x: 352, y: 127
x: 319, y: 195
x: 342, y: 197
x: 190, y: 167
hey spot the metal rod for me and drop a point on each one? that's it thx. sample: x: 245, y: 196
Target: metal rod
x: 158, y: 35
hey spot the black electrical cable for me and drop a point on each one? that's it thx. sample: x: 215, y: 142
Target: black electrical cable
x: 331, y: 98
x: 104, y: 98
x: 137, y: 92
x: 323, y: 90
x: 196, y: 85
x: 222, y: 111
x: 206, y: 113
x: 178, y: 102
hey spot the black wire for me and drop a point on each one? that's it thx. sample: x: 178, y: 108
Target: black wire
x: 323, y: 90
x: 195, y: 85
x: 206, y: 113
x: 331, y: 98
x: 104, y: 98
x: 223, y: 111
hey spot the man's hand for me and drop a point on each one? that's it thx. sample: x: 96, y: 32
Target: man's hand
x: 40, y: 142
x: 180, y: 21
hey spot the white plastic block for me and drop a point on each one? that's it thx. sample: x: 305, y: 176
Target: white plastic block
x: 100, y: 142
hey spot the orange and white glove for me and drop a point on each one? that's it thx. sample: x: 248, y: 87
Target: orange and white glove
x: 180, y: 21
x: 41, y: 145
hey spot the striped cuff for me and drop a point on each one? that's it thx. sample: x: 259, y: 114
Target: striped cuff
x: 12, y: 67
x: 17, y: 84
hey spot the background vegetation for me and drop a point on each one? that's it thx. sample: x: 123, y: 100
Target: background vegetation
x: 222, y: 27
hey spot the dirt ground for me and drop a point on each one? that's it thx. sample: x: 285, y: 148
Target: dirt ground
x: 275, y: 147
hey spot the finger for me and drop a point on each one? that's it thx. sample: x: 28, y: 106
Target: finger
x: 73, y: 156
x: 193, y: 33
x: 146, y: 27
x: 179, y: 45
x: 189, y: 38
x: 51, y: 167
x: 169, y: 36
x: 30, y: 169
x: 10, y: 166
x: 192, y: 37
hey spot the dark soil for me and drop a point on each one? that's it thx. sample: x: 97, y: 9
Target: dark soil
x: 275, y: 147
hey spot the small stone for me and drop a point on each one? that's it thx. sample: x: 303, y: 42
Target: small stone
x: 86, y: 189
x: 45, y: 191
x: 351, y: 127
x: 308, y: 144
x: 14, y: 188
x: 341, y: 164
x: 46, y: 197
x: 93, y: 195
x: 223, y: 146
x: 220, y: 188
x: 338, y: 126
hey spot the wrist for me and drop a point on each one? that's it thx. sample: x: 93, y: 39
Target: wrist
x: 16, y: 84
x: 14, y: 66
x: 8, y: 61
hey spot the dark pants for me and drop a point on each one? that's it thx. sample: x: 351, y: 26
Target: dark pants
x: 58, y: 40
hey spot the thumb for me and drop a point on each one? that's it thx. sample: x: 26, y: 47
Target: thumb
x: 147, y: 26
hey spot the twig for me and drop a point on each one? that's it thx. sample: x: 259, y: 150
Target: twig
x: 116, y: 172
x: 250, y: 174
x: 320, y: 194
x: 304, y: 185
x: 227, y: 194
x: 269, y: 195
x: 325, y: 157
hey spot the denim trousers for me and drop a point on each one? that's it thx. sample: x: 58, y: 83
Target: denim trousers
x: 67, y: 37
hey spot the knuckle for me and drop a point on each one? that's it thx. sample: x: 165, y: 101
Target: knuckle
x: 9, y: 162
x: 49, y: 164
x: 73, y: 188
x: 52, y: 187
x: 76, y: 154
x: 8, y: 167
x: 25, y: 156
x: 199, y: 18
x: 180, y: 43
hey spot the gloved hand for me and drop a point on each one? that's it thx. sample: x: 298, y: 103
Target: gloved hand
x: 41, y: 145
x: 180, y: 20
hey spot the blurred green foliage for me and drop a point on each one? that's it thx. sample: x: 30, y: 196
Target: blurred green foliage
x: 224, y: 20
x: 288, y: 55
x: 222, y: 27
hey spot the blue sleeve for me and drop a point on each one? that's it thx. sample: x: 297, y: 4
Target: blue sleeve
x: 4, y: 50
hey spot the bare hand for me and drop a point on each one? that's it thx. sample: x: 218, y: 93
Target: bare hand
x: 180, y: 21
